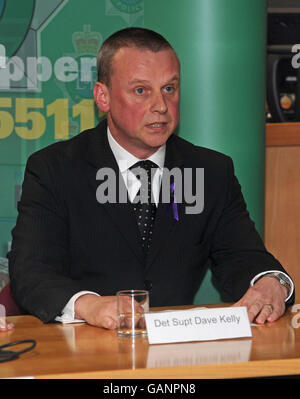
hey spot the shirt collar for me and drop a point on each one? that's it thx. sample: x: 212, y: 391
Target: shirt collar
x: 125, y: 160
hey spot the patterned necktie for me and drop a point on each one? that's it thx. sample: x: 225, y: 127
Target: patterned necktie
x: 143, y: 204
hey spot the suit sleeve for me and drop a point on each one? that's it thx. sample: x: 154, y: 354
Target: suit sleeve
x: 238, y: 252
x: 39, y: 258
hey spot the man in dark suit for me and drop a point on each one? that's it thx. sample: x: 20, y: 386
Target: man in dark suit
x: 71, y: 253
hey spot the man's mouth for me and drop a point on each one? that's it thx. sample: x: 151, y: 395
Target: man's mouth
x: 157, y: 125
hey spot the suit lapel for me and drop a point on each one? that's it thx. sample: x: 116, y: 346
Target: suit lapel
x: 99, y: 155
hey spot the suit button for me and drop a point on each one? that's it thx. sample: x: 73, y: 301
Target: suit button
x: 148, y: 285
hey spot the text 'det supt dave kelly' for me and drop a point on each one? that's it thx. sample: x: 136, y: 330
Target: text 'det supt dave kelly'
x: 199, y: 324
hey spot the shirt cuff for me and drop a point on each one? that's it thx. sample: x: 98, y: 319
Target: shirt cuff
x: 258, y: 276
x: 68, y: 312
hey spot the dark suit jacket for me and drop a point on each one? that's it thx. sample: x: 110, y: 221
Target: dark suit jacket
x: 65, y: 241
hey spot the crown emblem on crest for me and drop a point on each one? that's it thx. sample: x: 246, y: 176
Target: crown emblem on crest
x: 86, y: 42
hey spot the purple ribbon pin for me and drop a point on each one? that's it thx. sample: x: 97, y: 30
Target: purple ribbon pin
x: 173, y: 202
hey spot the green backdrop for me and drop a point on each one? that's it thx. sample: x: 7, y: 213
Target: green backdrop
x: 46, y: 87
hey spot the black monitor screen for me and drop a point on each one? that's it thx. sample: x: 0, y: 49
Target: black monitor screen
x: 283, y: 28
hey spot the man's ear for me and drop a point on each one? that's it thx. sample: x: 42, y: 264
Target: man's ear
x: 101, y: 96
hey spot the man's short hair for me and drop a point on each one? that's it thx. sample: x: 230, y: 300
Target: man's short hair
x: 141, y: 38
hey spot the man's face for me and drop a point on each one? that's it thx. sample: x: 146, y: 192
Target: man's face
x: 142, y: 102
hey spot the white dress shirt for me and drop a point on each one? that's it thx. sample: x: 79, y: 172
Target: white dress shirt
x: 125, y: 161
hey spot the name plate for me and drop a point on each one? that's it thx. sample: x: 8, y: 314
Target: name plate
x: 198, y: 324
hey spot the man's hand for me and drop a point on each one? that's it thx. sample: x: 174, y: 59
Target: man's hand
x: 101, y: 311
x: 4, y: 325
x: 265, y: 300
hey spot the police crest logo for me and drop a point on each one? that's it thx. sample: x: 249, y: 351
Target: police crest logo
x: 129, y: 10
x: 129, y: 6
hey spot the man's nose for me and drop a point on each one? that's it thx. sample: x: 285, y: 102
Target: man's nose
x: 159, y: 103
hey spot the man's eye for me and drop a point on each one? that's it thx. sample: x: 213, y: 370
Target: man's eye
x: 169, y: 89
x: 140, y: 90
